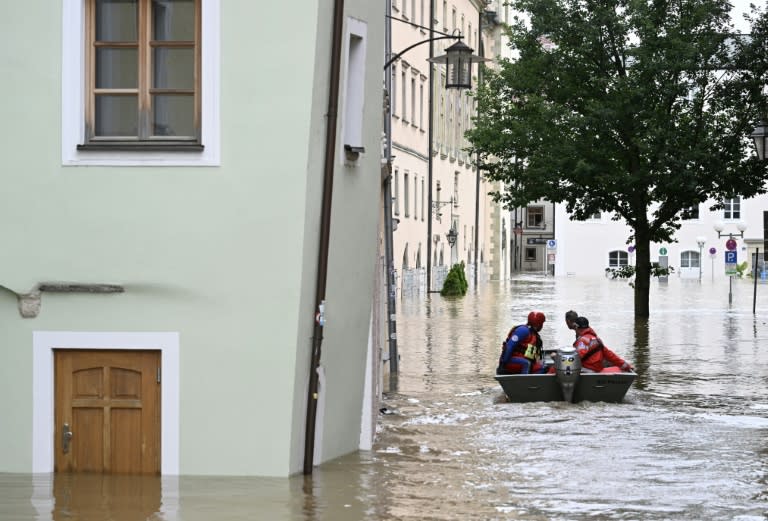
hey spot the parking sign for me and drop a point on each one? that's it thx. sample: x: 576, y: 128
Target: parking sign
x: 731, y: 260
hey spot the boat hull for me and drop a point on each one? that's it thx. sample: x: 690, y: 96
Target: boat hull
x: 591, y: 387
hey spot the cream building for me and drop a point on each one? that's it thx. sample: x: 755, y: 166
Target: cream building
x: 459, y: 198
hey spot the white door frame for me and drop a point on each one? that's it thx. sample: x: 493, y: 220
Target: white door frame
x: 43, y: 344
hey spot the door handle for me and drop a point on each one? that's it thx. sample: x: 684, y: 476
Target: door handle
x: 66, y: 436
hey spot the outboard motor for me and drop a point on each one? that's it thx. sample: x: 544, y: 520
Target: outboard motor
x: 568, y: 369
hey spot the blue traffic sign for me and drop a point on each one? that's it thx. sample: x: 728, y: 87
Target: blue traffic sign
x: 730, y: 257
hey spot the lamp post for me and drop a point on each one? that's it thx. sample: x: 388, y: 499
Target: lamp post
x: 451, y: 237
x: 760, y: 138
x: 701, y: 241
x: 458, y: 75
x: 730, y: 245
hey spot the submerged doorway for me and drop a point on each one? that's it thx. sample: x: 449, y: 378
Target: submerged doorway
x: 107, y: 411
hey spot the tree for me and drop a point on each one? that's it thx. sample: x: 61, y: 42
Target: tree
x: 455, y: 284
x: 640, y: 108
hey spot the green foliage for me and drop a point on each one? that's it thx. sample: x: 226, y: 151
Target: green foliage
x: 741, y: 268
x: 455, y: 284
x: 628, y: 272
x: 630, y: 108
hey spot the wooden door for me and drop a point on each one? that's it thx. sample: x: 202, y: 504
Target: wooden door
x: 107, y: 412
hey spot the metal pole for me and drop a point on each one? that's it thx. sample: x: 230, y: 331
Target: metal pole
x: 430, y: 105
x: 754, y: 276
x: 700, y: 262
x: 481, y: 52
x: 388, y: 227
x: 730, y: 289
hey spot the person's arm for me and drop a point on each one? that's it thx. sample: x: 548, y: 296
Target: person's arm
x: 616, y: 359
x: 517, y: 335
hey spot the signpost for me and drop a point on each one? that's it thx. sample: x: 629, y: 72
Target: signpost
x: 731, y: 259
x: 663, y: 263
x: 551, y: 251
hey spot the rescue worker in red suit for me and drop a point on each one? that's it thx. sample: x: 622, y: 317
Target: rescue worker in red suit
x: 595, y: 356
x: 521, y: 351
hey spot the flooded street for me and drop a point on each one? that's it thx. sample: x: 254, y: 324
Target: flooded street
x: 690, y: 441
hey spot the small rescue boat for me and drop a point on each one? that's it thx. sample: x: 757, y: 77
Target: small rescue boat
x: 567, y: 382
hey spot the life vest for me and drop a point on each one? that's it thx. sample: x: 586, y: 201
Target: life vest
x: 593, y: 353
x: 528, y: 347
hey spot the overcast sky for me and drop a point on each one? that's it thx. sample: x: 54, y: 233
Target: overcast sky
x: 739, y: 7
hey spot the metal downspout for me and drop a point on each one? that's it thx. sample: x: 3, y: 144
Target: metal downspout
x: 325, y: 231
x: 388, y: 226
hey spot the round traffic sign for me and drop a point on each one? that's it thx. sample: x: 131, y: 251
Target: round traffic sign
x: 662, y: 251
x: 730, y: 244
x: 712, y: 250
x: 631, y: 249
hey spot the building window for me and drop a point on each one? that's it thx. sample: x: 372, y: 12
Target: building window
x: 396, y: 193
x: 423, y: 196
x: 421, y: 105
x: 690, y: 213
x: 413, y: 101
x: 530, y: 254
x: 689, y: 259
x: 618, y: 258
x: 406, y: 195
x: 142, y: 63
x: 456, y: 189
x: 535, y: 217
x: 392, y: 96
x: 445, y: 15
x: 415, y: 197
x: 404, y: 99
x: 732, y: 208
x: 355, y: 84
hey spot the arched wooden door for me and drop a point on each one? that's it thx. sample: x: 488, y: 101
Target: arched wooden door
x: 107, y: 412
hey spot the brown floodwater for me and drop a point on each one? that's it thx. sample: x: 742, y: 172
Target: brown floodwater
x: 690, y: 441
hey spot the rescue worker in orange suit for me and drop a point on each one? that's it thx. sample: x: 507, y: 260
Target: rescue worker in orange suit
x: 521, y: 351
x: 595, y: 356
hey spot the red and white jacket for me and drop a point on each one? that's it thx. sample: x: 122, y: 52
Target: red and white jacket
x: 594, y: 354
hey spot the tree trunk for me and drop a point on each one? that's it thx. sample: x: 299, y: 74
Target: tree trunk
x: 642, y: 273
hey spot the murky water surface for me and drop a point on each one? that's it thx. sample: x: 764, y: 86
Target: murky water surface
x: 690, y: 441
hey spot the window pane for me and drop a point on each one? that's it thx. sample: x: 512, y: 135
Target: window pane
x: 173, y: 68
x: 173, y: 20
x: 116, y: 20
x: 173, y: 115
x: 116, y: 68
x: 116, y: 115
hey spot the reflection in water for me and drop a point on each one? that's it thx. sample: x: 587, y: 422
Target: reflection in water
x: 642, y: 352
x: 689, y: 443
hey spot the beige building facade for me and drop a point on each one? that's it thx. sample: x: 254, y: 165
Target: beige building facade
x: 436, y: 191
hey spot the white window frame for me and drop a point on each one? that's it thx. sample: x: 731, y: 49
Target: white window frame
x: 73, y: 93
x: 622, y: 259
x: 732, y: 209
x: 692, y: 259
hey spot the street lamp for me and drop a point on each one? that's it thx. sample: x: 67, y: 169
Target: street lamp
x: 458, y: 60
x: 760, y: 137
x: 451, y: 236
x: 719, y: 226
x: 701, y: 241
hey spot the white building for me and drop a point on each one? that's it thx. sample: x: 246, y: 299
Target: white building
x: 589, y: 248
